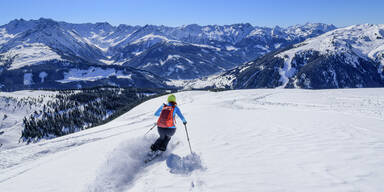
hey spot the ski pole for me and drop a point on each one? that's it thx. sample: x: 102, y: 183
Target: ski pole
x: 154, y: 125
x: 186, y: 131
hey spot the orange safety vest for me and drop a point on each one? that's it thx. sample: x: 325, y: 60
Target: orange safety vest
x: 166, y: 118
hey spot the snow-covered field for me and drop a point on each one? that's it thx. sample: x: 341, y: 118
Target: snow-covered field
x: 92, y: 74
x: 247, y: 140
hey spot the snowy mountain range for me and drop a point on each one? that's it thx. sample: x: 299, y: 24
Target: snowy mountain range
x: 347, y: 57
x: 45, y: 53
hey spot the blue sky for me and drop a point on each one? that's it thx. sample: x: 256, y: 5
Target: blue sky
x: 203, y: 12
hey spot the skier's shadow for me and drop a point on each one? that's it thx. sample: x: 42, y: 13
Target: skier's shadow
x: 183, y: 165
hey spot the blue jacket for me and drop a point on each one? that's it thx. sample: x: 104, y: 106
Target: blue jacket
x: 176, y: 111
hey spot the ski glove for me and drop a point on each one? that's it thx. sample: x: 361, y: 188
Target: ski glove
x: 185, y: 123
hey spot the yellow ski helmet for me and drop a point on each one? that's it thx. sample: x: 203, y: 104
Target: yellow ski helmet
x: 172, y: 98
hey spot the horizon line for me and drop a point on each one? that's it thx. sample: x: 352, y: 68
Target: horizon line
x: 202, y: 25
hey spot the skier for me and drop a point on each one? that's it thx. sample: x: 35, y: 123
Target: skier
x: 166, y: 123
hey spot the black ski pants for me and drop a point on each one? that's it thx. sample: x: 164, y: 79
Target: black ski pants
x: 162, y: 142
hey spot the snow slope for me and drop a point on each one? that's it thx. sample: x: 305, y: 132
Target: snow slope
x: 30, y: 54
x: 14, y: 106
x: 247, y: 140
x: 357, y: 41
x: 364, y: 40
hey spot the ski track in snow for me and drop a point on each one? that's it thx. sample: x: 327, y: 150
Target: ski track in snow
x: 245, y: 140
x: 123, y: 165
x: 126, y: 164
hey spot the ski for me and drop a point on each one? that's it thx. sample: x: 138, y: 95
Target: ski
x: 152, y: 155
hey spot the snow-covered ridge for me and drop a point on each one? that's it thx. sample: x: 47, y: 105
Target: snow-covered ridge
x: 151, y: 37
x: 358, y: 41
x: 29, y: 54
x: 364, y: 40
